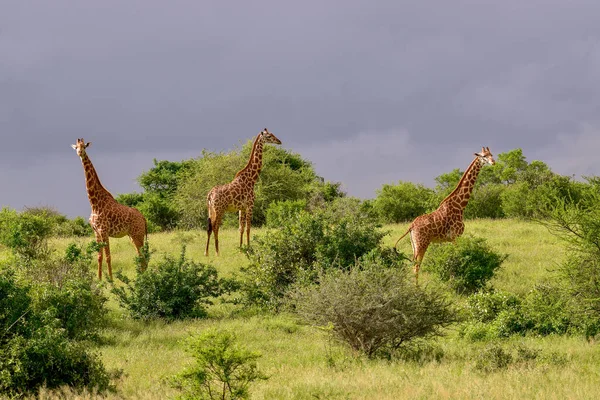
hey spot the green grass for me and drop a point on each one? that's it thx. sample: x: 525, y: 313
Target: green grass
x: 303, y: 363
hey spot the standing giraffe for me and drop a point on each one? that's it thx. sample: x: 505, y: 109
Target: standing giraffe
x: 446, y: 223
x: 238, y: 194
x: 109, y: 218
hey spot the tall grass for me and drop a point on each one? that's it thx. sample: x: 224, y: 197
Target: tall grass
x: 303, y: 363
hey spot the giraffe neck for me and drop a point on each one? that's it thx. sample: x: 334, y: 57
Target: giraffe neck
x: 459, y: 198
x: 96, y: 192
x: 252, y: 169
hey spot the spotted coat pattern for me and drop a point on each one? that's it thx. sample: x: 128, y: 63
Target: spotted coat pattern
x: 108, y: 217
x: 238, y: 195
x: 446, y: 223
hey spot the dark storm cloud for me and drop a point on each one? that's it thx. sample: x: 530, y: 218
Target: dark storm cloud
x: 434, y: 80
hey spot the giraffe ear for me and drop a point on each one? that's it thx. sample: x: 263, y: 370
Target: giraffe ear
x: 87, y: 144
x: 74, y: 147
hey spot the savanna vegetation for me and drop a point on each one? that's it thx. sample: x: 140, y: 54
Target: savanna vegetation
x: 320, y: 305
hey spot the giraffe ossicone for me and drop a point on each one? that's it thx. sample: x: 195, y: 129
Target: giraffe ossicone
x: 237, y: 195
x: 108, y: 217
x: 445, y: 224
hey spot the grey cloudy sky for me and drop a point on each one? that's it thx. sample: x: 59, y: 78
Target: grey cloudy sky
x: 371, y: 92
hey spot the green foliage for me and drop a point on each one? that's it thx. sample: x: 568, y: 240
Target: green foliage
x: 484, y: 306
x: 486, y: 202
x: 375, y: 310
x: 156, y: 203
x: 284, y: 176
x: 160, y: 212
x: 223, y: 369
x: 15, y: 303
x: 493, y: 358
x: 36, y: 350
x: 579, y: 227
x: 467, y: 265
x: 280, y: 211
x: 545, y: 310
x: 348, y: 233
x: 172, y: 289
x: 163, y: 179
x: 402, y: 202
x: 306, y: 242
x: 25, y: 234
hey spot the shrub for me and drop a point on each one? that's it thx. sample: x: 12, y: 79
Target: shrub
x: 307, y: 242
x: 76, y: 227
x: 402, y: 202
x: 280, y: 211
x: 172, y: 289
x: 493, y: 358
x: 578, y: 226
x: 349, y: 232
x: 47, y: 358
x: 486, y: 202
x: 484, y: 306
x: 281, y: 257
x: 375, y: 310
x: 35, y: 349
x: 26, y: 234
x: 15, y: 303
x: 223, y: 369
x: 466, y: 266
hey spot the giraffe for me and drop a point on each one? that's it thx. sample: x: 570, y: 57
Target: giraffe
x: 109, y: 218
x: 446, y: 223
x: 238, y: 194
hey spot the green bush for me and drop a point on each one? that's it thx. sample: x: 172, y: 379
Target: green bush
x: 307, y: 242
x: 281, y: 257
x: 493, y: 358
x: 36, y: 351
x: 171, y: 289
x: 486, y: 202
x: 375, y: 310
x: 26, y: 234
x: 484, y: 306
x: 15, y: 303
x: 223, y: 368
x: 467, y: 265
x: 402, y: 202
x: 281, y: 211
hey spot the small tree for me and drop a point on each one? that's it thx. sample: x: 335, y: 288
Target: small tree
x: 171, y: 289
x: 466, y: 266
x: 402, y: 202
x: 374, y: 309
x: 223, y: 369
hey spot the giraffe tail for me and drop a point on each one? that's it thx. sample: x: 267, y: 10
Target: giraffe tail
x: 405, y: 233
x: 209, y: 227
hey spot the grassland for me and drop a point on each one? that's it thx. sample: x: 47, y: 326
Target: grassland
x: 303, y: 363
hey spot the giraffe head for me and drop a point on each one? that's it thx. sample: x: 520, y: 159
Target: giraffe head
x: 268, y: 137
x: 485, y: 156
x: 80, y: 147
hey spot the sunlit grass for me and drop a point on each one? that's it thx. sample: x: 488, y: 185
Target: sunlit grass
x: 302, y: 362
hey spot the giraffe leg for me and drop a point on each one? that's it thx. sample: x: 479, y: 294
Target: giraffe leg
x: 242, y: 226
x: 138, y: 242
x: 107, y: 252
x: 419, y: 249
x: 209, y: 230
x: 248, y: 223
x: 100, y: 256
x: 216, y: 232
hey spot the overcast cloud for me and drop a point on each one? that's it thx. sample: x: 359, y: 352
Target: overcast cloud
x: 371, y: 92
